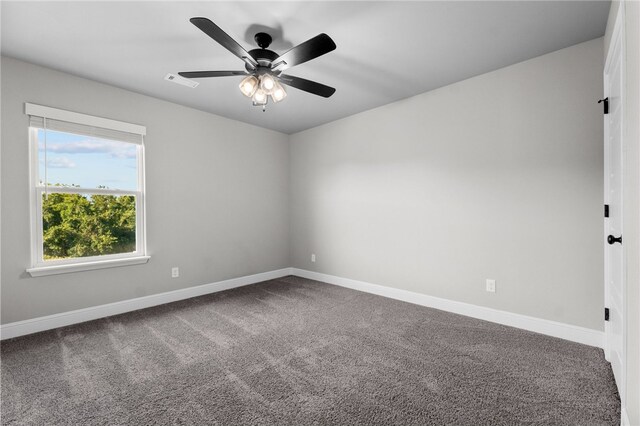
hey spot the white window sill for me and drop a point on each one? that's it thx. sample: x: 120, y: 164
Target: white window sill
x: 41, y: 271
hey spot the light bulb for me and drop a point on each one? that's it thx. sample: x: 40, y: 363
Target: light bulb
x: 267, y: 83
x: 249, y: 85
x: 278, y: 93
x: 260, y: 97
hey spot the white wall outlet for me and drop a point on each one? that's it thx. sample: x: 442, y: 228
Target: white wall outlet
x: 491, y: 286
x: 313, y: 257
x: 175, y: 272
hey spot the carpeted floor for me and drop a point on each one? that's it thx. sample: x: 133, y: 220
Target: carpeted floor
x: 297, y: 352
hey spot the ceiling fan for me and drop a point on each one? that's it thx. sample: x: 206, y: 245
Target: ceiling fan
x: 264, y: 67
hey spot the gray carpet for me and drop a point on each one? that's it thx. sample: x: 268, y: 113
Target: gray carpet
x: 298, y: 352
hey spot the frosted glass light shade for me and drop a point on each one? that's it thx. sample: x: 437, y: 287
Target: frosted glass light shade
x: 267, y: 83
x: 260, y: 97
x: 278, y: 93
x: 249, y: 85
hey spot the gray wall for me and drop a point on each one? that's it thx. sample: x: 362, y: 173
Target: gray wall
x: 631, y: 196
x: 217, y: 196
x: 499, y: 176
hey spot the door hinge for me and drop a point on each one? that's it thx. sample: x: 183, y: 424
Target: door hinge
x: 606, y: 314
x: 606, y: 105
x: 606, y: 210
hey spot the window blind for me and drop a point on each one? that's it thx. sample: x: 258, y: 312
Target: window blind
x: 82, y: 124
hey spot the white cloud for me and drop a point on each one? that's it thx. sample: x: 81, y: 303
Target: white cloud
x: 89, y: 146
x: 60, y: 163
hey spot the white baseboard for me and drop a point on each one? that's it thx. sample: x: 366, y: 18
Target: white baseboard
x: 21, y: 328
x: 551, y: 328
x: 556, y: 329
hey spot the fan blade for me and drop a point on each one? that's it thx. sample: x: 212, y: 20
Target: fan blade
x: 203, y: 74
x: 310, y: 49
x: 216, y: 33
x: 307, y: 85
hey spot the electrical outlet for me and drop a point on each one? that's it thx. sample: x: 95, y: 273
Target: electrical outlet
x: 313, y: 257
x: 491, y: 286
x: 175, y: 272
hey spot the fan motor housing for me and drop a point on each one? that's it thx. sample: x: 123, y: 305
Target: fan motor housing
x: 264, y: 57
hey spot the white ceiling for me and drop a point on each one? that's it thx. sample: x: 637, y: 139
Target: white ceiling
x: 386, y: 50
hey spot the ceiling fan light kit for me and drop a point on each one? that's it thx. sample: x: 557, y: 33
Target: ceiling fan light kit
x: 260, y: 99
x: 263, y: 67
x: 278, y: 93
x: 267, y: 83
x: 258, y: 89
x: 249, y: 85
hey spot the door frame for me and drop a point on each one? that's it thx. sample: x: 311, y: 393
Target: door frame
x: 617, y: 36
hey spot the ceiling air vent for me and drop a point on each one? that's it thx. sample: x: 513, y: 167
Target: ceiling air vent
x: 181, y: 80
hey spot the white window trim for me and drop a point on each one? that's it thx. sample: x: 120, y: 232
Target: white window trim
x: 86, y: 266
x: 39, y: 267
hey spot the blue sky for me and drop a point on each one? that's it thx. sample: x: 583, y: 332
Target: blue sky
x: 87, y: 161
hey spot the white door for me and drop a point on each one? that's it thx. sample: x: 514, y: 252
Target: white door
x: 614, y: 250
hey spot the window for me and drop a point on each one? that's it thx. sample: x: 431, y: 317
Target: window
x: 87, y: 192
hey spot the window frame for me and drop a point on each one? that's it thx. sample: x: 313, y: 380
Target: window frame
x: 40, y: 266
